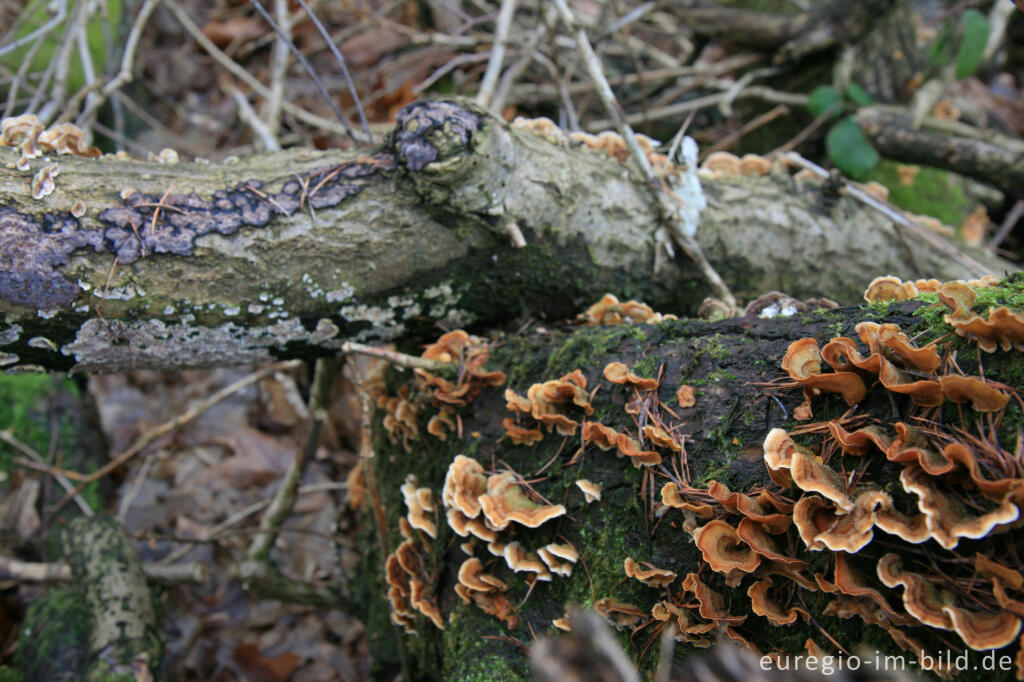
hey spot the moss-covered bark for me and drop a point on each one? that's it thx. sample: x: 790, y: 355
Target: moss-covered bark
x: 296, y: 252
x: 729, y: 363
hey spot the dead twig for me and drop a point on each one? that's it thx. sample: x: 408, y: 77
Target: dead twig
x: 59, y: 571
x: 490, y: 80
x: 670, y: 213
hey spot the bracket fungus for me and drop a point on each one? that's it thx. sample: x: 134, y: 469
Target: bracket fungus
x: 803, y: 364
x: 591, y: 490
x: 559, y: 558
x: 619, y: 614
x: 546, y: 402
x: 505, y: 502
x: 463, y: 484
x: 763, y: 605
x: 472, y: 576
x: 618, y: 373
x: 43, y: 183
x: 609, y: 310
x: 650, y: 576
x: 520, y: 560
x: 67, y: 138
x: 420, y: 502
x: 408, y: 588
x: 723, y: 549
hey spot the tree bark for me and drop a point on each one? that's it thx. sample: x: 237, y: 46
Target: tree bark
x: 981, y: 154
x: 293, y: 253
x: 731, y: 364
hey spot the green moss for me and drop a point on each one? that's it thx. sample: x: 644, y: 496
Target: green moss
x: 55, y: 635
x: 23, y: 410
x: 9, y: 675
x: 933, y: 192
x: 587, y: 348
x: 712, y: 345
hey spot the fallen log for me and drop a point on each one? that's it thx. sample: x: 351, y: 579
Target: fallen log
x: 128, y: 264
x: 825, y: 575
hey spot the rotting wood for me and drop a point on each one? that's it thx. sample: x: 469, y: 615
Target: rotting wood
x: 124, y: 636
x: 731, y: 363
x: 295, y: 253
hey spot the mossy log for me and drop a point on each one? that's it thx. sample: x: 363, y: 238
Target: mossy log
x: 102, y: 626
x: 129, y: 264
x: 734, y: 365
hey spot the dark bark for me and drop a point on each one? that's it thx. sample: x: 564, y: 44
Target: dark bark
x: 291, y: 254
x: 981, y: 154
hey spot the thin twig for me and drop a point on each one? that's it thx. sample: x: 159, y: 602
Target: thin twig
x: 8, y: 437
x: 307, y: 66
x: 669, y: 212
x: 513, y: 73
x: 1011, y: 219
x: 501, y: 30
x: 338, y: 57
x: 179, y: 421
x: 60, y: 571
x: 751, y: 125
x: 894, y: 214
x: 278, y: 69
x: 241, y: 515
x: 252, y: 119
x: 41, y: 32
x: 284, y: 499
x: 181, y: 14
x: 394, y: 357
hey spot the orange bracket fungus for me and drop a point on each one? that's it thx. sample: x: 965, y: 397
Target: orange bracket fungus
x: 723, y: 549
x: 505, y: 502
x: 651, y: 576
x: 618, y: 373
x: 421, y: 506
x: 591, y: 490
x: 803, y: 363
x: 763, y: 605
x: 609, y: 311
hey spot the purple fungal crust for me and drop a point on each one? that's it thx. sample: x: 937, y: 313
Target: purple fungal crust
x: 32, y: 247
x: 181, y: 218
x: 416, y: 124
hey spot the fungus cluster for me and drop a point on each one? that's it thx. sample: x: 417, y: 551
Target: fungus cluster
x: 547, y: 404
x: 947, y: 489
x: 771, y: 304
x: 466, y: 356
x: 608, y: 143
x: 898, y: 364
x: 34, y: 139
x: 609, y: 310
x: 482, y: 508
x: 891, y: 288
x: 725, y: 164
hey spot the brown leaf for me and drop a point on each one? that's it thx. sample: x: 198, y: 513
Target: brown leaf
x: 260, y: 668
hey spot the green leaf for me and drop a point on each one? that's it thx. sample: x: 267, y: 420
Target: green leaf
x: 941, y: 50
x: 849, y: 150
x: 858, y: 95
x: 824, y: 98
x: 973, y: 43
